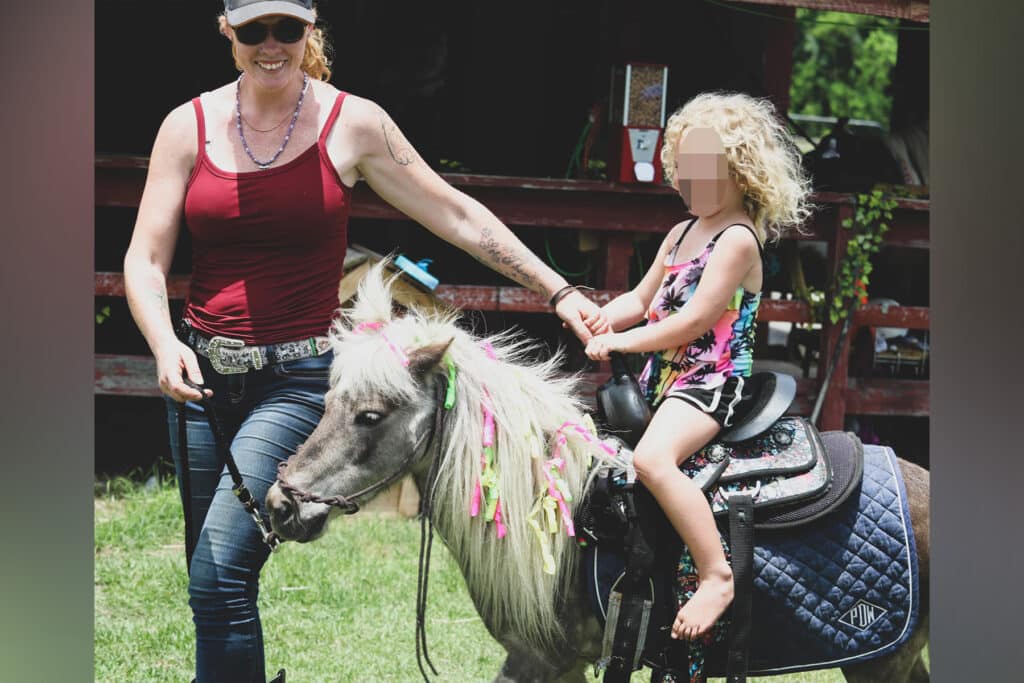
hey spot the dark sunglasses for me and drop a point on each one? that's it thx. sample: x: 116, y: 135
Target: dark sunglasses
x: 286, y: 30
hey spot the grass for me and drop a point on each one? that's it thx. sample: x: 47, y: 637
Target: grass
x: 341, y: 609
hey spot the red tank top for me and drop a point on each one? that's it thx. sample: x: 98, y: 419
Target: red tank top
x: 267, y: 246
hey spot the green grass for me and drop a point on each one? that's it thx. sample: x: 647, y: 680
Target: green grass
x: 341, y: 609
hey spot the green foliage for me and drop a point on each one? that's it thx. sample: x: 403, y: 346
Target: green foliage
x: 868, y: 227
x: 340, y: 609
x: 843, y: 70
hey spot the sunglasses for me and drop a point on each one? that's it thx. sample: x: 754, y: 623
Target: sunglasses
x: 286, y: 30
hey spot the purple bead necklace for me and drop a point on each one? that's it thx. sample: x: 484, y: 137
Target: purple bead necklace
x: 287, y: 135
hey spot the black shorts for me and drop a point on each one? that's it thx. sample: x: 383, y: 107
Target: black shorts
x: 726, y: 403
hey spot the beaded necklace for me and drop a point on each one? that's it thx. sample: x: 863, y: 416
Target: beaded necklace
x: 287, y: 135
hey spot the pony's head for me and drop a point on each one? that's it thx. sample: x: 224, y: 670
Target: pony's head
x: 377, y: 412
x: 508, y: 438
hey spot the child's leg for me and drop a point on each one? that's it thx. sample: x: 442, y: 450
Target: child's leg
x: 676, y: 431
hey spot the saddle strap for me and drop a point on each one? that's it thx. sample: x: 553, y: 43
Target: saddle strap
x: 741, y: 545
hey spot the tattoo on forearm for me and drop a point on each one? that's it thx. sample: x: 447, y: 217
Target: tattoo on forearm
x: 505, y: 260
x: 398, y: 147
x: 161, y: 299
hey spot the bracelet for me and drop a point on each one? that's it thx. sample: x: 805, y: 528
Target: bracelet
x: 561, y: 294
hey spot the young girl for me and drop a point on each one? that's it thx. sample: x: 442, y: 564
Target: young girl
x: 739, y: 174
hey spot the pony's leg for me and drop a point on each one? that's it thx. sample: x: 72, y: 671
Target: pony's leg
x: 516, y: 670
x: 526, y: 666
x: 577, y: 674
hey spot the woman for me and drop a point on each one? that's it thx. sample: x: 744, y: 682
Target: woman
x: 262, y: 169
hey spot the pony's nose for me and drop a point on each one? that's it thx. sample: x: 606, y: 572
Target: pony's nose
x: 279, y: 504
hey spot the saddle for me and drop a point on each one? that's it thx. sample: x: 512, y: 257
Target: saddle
x: 768, y: 472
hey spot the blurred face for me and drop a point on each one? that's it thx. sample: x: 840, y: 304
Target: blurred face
x: 702, y: 172
x: 270, y: 49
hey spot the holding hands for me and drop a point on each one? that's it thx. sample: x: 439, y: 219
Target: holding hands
x: 581, y: 315
x: 600, y: 346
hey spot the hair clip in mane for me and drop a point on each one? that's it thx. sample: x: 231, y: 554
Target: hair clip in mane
x: 378, y: 326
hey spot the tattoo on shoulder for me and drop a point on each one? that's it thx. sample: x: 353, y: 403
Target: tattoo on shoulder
x: 398, y: 147
x: 503, y: 259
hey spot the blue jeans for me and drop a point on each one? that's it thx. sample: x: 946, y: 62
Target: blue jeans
x: 265, y: 415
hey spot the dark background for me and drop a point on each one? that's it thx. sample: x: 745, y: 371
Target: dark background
x: 500, y: 87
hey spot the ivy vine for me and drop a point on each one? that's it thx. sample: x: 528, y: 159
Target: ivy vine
x: 868, y: 225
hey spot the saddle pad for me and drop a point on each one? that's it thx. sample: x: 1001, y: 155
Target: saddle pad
x: 835, y: 591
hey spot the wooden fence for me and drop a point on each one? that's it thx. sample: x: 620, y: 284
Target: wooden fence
x: 614, y: 212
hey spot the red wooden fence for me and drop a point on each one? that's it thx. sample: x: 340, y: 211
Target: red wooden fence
x: 615, y: 212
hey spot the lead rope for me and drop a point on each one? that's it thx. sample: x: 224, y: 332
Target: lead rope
x: 427, y: 537
x: 186, y: 485
x: 245, y: 497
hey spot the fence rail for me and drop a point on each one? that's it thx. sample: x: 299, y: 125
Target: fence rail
x: 615, y: 212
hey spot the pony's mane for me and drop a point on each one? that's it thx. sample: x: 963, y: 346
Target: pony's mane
x: 531, y: 401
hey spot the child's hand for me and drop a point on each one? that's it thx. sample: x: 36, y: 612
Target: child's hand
x: 598, y: 322
x: 600, y: 346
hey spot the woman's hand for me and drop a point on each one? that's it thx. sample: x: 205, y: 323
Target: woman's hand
x: 582, y: 316
x: 172, y: 359
x: 602, y: 345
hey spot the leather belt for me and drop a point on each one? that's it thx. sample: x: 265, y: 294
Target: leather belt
x: 232, y: 356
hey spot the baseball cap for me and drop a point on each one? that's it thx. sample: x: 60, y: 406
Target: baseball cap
x: 242, y: 11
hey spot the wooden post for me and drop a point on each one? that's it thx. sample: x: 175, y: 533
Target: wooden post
x: 778, y: 56
x: 618, y: 251
x: 617, y: 254
x: 834, y: 410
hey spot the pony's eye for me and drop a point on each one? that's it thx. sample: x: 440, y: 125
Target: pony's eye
x: 369, y: 418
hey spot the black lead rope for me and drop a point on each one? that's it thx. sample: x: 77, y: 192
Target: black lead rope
x: 427, y: 537
x: 186, y: 486
x: 245, y: 497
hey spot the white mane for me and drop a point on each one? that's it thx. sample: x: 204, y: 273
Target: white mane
x: 531, y: 401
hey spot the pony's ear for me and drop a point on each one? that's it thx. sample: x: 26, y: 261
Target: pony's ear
x: 423, y: 358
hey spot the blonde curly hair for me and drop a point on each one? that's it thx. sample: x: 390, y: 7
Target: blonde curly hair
x: 763, y: 160
x: 315, y: 60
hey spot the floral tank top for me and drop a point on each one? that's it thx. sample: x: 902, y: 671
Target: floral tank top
x: 724, y: 350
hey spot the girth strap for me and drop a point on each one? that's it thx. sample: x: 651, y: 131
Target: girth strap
x: 741, y: 544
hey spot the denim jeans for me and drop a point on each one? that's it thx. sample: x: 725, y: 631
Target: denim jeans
x: 265, y: 414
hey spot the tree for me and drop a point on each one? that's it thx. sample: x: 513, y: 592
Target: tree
x: 841, y: 67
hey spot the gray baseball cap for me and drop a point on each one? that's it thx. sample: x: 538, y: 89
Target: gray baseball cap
x: 241, y: 11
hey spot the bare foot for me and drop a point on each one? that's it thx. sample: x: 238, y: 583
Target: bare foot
x: 699, y: 614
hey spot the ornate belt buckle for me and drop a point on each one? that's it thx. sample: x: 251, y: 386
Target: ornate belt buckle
x: 218, y: 363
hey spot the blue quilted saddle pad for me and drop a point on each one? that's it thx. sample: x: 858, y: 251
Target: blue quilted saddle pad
x: 835, y: 591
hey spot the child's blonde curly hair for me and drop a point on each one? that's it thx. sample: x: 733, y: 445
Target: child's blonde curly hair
x: 763, y: 160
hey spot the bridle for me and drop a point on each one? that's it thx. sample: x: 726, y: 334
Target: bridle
x: 348, y: 504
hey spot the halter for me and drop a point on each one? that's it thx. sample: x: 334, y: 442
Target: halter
x: 348, y: 504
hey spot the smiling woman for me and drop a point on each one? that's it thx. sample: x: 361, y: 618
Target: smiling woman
x: 263, y: 169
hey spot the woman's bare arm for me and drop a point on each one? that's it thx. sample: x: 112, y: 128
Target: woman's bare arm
x: 399, y: 175
x: 149, y: 254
